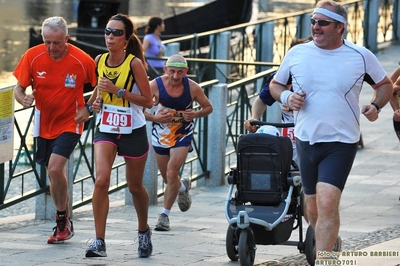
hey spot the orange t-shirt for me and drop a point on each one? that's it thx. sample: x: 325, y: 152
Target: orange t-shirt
x: 59, y: 87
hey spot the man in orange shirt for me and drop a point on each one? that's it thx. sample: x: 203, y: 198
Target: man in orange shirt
x: 57, y: 72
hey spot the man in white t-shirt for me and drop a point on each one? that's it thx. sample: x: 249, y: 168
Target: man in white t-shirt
x: 264, y: 98
x: 327, y: 76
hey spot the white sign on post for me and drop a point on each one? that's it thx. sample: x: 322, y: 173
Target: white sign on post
x: 6, y: 124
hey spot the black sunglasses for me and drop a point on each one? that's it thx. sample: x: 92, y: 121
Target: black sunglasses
x: 116, y: 32
x: 321, y: 22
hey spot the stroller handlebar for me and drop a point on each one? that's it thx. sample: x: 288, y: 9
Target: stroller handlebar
x: 263, y: 123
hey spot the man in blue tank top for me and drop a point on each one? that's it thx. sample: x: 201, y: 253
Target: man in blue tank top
x: 172, y: 130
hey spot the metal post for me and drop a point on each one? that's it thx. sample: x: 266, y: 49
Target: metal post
x: 274, y: 113
x: 396, y: 20
x: 265, y: 47
x: 218, y: 96
x: 371, y: 18
x: 266, y: 6
x: 304, y: 25
x: 172, y: 48
x: 45, y: 209
x: 221, y: 50
x: 2, y: 180
x: 150, y: 175
x: 70, y: 179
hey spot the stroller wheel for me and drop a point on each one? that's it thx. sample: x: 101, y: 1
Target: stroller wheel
x: 310, y: 246
x: 231, y: 244
x: 247, y: 248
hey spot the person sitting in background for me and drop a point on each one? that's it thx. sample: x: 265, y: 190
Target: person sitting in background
x: 153, y: 47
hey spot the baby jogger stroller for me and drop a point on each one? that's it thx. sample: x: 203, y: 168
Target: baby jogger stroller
x: 265, y: 198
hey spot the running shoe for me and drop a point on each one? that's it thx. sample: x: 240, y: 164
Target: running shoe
x: 184, y: 199
x: 64, y: 230
x: 96, y: 248
x: 163, y: 223
x: 145, y: 246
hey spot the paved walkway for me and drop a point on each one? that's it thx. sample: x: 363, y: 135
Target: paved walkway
x: 370, y: 217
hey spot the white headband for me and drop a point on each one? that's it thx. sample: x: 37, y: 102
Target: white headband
x: 330, y: 14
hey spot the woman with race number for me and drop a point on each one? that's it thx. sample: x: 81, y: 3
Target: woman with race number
x: 122, y: 92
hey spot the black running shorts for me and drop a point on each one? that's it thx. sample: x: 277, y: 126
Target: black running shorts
x: 134, y: 145
x: 328, y: 162
x: 63, y: 145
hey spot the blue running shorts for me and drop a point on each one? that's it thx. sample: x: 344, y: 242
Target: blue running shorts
x: 328, y: 162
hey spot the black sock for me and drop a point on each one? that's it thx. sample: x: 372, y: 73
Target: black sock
x: 61, y: 214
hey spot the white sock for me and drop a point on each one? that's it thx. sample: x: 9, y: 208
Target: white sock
x: 182, y: 188
x: 165, y: 211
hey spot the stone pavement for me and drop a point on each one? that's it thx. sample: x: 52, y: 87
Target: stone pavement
x: 370, y: 217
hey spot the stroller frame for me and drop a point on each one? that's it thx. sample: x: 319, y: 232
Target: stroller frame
x: 256, y: 213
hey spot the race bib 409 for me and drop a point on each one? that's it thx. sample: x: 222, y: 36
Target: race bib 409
x: 116, y: 119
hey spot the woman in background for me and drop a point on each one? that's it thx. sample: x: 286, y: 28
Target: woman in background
x: 153, y: 47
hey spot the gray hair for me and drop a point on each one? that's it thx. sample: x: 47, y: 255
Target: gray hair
x: 56, y: 23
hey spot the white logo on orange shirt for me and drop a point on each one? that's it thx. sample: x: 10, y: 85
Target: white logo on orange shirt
x: 41, y: 74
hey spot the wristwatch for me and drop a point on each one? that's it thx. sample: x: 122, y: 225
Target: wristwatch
x: 89, y: 108
x: 378, y: 109
x: 121, y: 93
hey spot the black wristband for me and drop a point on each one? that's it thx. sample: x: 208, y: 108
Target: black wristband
x: 378, y: 109
x: 89, y: 108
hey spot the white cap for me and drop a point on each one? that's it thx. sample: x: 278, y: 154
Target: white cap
x: 269, y: 130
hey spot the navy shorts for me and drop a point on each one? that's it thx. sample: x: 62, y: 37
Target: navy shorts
x: 328, y: 162
x: 134, y: 145
x: 63, y: 145
x: 185, y: 142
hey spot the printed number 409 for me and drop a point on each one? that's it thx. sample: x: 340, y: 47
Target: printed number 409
x: 117, y: 120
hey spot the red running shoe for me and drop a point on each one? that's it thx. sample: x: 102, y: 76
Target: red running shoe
x: 63, y: 231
